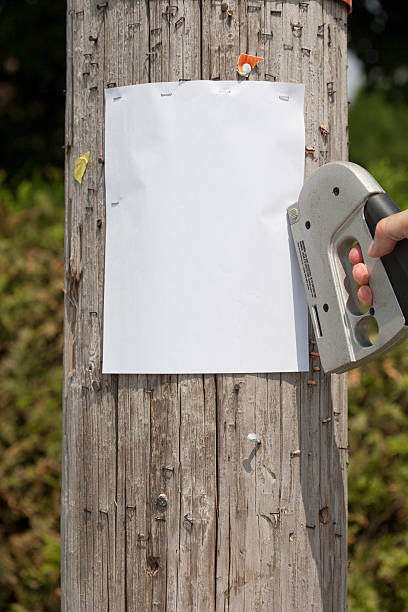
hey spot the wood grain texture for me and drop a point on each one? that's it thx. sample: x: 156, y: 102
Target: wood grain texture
x: 166, y: 505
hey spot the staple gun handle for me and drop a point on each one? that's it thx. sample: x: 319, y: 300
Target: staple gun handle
x: 376, y: 208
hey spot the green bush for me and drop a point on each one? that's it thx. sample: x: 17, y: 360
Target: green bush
x: 378, y: 403
x: 31, y: 315
x: 378, y: 485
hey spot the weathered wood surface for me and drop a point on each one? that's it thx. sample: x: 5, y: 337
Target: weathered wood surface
x: 241, y: 528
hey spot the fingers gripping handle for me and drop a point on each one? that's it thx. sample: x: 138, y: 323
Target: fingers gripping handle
x: 395, y: 264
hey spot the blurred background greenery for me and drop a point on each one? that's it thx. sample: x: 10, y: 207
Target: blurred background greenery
x: 32, y: 82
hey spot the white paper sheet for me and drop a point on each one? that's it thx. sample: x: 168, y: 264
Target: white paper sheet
x: 199, y: 274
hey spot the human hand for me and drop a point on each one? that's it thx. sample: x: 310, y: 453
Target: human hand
x: 387, y: 233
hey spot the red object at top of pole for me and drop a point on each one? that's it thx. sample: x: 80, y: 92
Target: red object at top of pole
x: 349, y: 2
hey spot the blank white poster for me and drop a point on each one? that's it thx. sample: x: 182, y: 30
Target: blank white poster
x: 200, y: 276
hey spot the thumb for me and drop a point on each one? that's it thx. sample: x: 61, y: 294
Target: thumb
x: 388, y: 232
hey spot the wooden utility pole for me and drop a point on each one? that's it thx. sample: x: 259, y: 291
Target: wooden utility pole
x: 166, y: 505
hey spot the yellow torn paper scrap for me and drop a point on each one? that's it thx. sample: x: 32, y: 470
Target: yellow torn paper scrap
x: 246, y: 63
x: 80, y: 167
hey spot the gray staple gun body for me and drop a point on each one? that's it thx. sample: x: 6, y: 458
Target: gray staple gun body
x: 339, y: 205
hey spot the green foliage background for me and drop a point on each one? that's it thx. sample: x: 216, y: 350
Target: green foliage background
x: 31, y: 288
x: 31, y: 317
x: 378, y: 399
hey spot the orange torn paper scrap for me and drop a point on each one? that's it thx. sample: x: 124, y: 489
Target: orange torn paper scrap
x: 246, y: 63
x: 80, y: 167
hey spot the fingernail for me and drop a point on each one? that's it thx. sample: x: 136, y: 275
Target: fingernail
x: 370, y: 250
